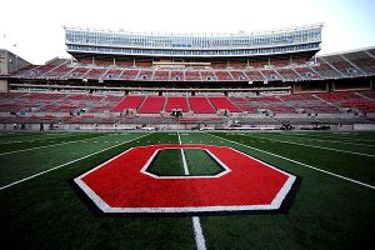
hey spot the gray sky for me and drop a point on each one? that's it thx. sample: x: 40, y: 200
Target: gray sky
x: 33, y: 29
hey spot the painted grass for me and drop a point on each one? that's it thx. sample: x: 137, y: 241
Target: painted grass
x: 327, y: 213
x: 167, y: 163
x: 200, y: 163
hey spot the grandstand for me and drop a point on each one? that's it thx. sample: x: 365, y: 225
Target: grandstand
x: 135, y: 79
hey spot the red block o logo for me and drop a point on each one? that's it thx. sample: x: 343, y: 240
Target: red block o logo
x: 123, y: 184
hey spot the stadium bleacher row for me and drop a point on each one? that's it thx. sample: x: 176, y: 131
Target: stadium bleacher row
x: 326, y: 67
x: 35, y: 103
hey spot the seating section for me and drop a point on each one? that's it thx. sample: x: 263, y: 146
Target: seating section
x: 129, y: 74
x: 152, y: 105
x: 70, y: 108
x: 353, y: 64
x: 177, y: 75
x: 224, y: 103
x: 177, y: 103
x: 201, y: 105
x: 270, y: 103
x: 223, y: 76
x: 161, y: 75
x: 130, y: 102
x: 350, y: 100
x: 254, y: 76
x: 192, y: 75
x: 309, y: 103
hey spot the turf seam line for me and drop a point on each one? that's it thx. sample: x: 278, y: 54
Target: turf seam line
x: 298, y: 163
x: 66, y: 164
x: 312, y: 146
x: 47, y: 146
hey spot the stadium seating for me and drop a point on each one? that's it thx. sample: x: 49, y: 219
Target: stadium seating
x: 242, y: 103
x: 208, y: 75
x: 223, y: 76
x: 95, y: 73
x: 177, y: 75
x: 288, y: 74
x: 239, y: 75
x: 177, y: 103
x: 201, y: 105
x: 113, y: 74
x: 152, y: 105
x: 129, y: 74
x: 254, y: 76
x: 271, y: 75
x: 192, y: 75
x: 224, y: 103
x: 332, y: 67
x: 32, y: 107
x: 130, y: 102
x: 161, y: 75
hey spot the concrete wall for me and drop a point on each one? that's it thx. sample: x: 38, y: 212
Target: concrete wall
x: 10, y: 62
x: 364, y: 126
x: 4, y: 86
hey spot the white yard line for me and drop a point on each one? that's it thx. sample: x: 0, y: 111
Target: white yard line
x: 326, y: 137
x: 34, y: 140
x: 51, y: 145
x: 198, y: 232
x: 313, y: 146
x: 327, y: 140
x: 184, y: 163
x: 299, y: 163
x: 66, y: 164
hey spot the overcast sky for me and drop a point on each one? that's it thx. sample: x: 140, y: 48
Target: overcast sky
x: 33, y: 29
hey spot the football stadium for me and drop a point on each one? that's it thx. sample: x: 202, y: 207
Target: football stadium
x: 151, y: 140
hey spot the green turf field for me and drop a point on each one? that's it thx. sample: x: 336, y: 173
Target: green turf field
x: 333, y: 208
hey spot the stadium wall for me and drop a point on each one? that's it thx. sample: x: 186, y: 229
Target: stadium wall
x: 4, y: 86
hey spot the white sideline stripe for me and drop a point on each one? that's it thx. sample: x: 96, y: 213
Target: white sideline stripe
x: 47, y: 146
x: 298, y: 137
x: 299, y: 163
x: 198, y: 232
x: 65, y: 164
x: 313, y: 146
